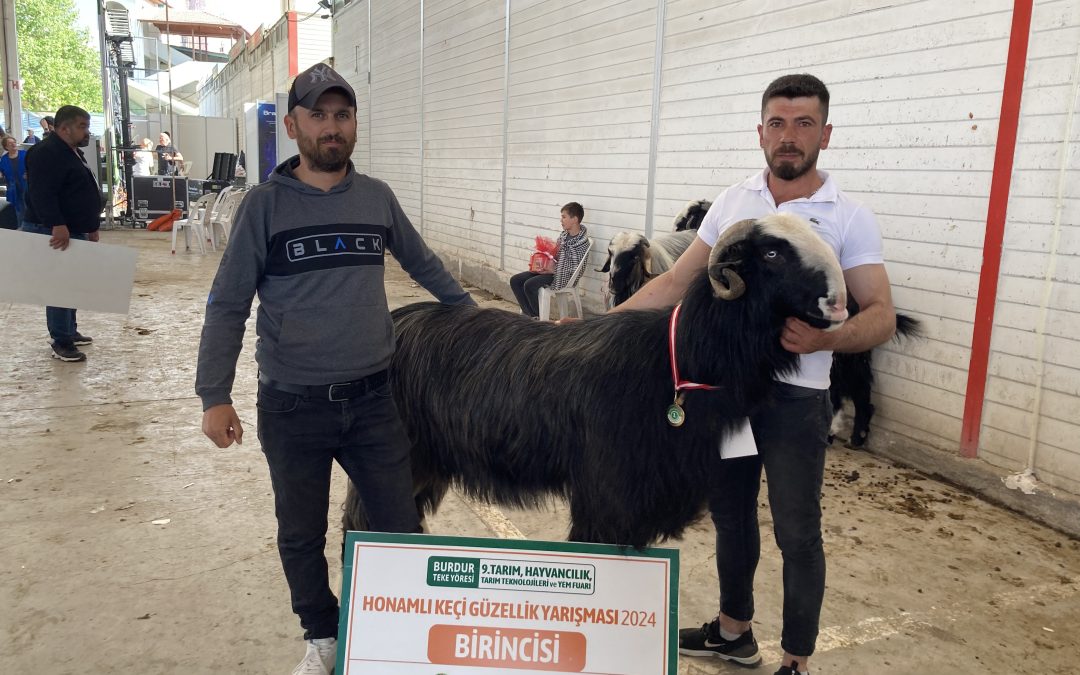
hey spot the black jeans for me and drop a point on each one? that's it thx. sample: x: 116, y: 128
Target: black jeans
x: 526, y: 287
x: 301, y: 437
x: 791, y: 436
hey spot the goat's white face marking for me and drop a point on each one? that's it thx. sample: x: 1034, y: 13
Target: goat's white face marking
x: 623, y: 241
x: 815, y: 254
x: 835, y: 314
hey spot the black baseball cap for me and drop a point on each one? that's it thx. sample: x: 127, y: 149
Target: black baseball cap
x: 316, y: 81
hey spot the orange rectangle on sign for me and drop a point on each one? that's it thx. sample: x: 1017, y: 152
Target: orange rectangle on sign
x: 520, y: 649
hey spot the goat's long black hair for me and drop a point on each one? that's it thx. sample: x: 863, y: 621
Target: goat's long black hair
x: 513, y: 411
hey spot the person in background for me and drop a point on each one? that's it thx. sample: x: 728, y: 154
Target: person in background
x: 571, y: 245
x: 144, y: 159
x: 318, y: 230
x: 48, y: 125
x: 13, y: 169
x: 169, y: 159
x: 63, y: 203
x: 31, y: 137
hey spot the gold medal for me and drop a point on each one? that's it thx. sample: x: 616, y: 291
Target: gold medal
x: 675, y: 414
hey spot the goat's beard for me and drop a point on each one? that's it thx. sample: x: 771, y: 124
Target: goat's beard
x: 787, y: 170
x: 326, y: 160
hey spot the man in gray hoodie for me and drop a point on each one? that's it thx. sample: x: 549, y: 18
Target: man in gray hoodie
x: 311, y: 242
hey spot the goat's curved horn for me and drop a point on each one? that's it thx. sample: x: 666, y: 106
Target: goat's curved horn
x: 726, y: 282
x: 736, y: 232
x: 732, y: 289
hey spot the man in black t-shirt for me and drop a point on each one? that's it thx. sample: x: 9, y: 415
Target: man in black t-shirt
x: 169, y: 158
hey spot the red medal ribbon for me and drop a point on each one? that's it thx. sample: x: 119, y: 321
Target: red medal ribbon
x: 680, y: 384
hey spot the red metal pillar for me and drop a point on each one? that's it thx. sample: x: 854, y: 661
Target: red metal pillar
x: 1000, y: 183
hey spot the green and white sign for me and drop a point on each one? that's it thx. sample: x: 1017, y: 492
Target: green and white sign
x: 434, y: 605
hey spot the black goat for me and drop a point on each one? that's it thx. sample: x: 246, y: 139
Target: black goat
x: 513, y: 411
x: 692, y: 214
x: 852, y: 377
x: 633, y: 260
x: 630, y: 265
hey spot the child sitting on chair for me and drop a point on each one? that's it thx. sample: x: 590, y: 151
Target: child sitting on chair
x: 571, y: 246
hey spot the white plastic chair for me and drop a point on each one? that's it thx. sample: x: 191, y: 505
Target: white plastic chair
x: 221, y: 219
x: 215, y: 225
x: 563, y: 295
x: 197, y: 215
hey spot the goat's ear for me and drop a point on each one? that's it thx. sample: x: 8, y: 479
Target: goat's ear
x: 724, y: 275
x: 607, y: 264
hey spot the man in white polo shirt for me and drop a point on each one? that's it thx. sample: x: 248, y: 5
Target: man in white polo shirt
x: 792, y: 433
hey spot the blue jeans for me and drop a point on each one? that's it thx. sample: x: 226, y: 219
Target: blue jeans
x: 301, y: 437
x: 61, y: 320
x: 791, y: 435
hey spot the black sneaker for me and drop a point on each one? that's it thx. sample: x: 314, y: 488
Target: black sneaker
x: 787, y: 670
x: 706, y: 641
x: 67, y: 353
x: 82, y: 340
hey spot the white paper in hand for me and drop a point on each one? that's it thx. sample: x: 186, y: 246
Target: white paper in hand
x: 90, y: 276
x: 739, y: 443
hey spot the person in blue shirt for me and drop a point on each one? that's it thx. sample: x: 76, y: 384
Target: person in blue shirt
x: 13, y: 169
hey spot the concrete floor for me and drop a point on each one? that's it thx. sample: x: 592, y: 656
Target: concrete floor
x: 922, y: 577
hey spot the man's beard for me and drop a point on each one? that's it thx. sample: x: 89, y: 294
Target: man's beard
x: 84, y: 142
x: 322, y: 158
x: 788, y: 170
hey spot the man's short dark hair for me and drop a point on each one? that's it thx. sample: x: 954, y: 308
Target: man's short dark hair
x: 574, y: 210
x: 49, y: 120
x: 69, y: 113
x: 797, y: 86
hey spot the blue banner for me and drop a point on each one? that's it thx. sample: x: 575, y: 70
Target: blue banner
x: 267, y: 133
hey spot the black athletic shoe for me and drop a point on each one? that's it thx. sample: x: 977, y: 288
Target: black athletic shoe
x: 787, y: 670
x: 82, y: 340
x: 706, y: 641
x: 67, y: 353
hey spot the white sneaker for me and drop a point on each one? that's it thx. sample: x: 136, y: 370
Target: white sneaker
x: 320, y: 658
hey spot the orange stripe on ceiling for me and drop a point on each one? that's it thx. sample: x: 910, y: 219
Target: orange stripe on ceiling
x: 294, y: 60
